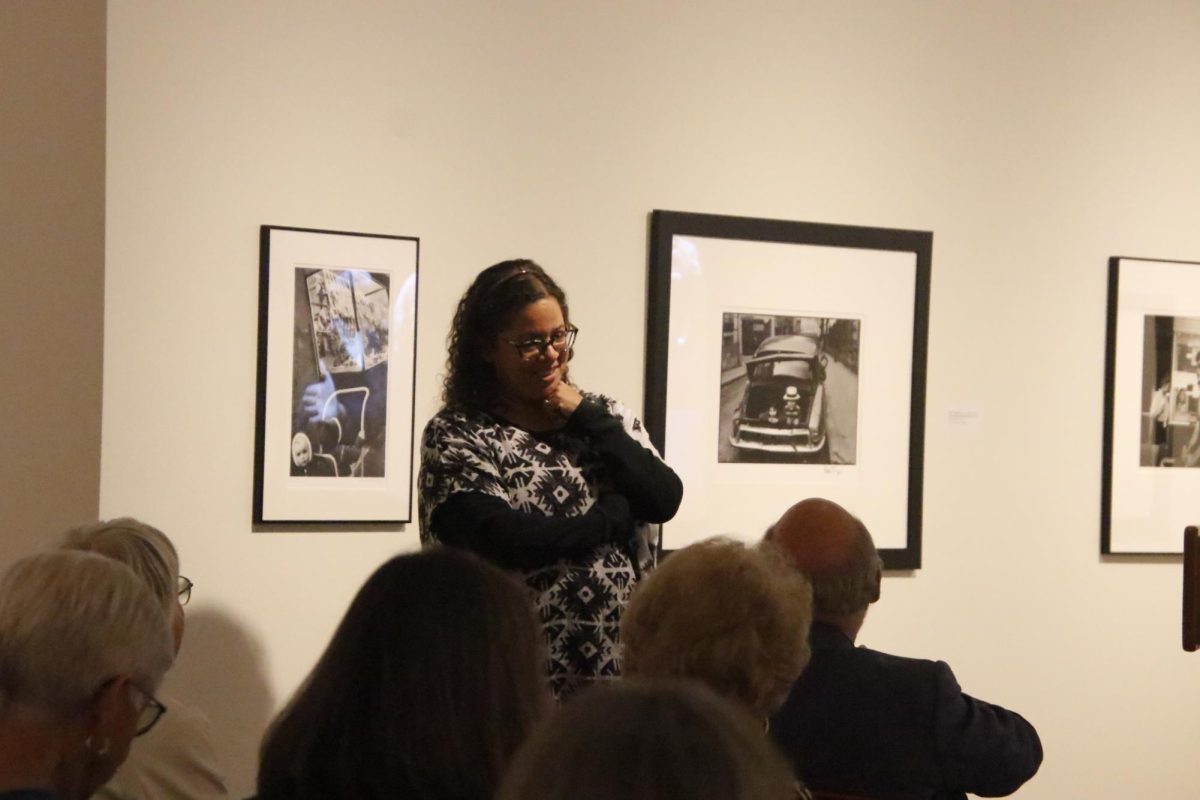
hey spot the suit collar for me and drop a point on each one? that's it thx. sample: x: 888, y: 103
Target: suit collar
x: 823, y: 636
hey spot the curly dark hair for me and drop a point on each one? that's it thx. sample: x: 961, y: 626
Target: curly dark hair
x: 493, y: 297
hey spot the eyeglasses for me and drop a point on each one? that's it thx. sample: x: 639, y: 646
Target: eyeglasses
x: 150, y: 713
x: 561, y: 340
x: 184, y: 588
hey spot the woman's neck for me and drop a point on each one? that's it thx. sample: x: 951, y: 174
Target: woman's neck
x: 531, y: 415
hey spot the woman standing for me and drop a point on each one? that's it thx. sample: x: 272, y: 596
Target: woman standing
x: 523, y: 468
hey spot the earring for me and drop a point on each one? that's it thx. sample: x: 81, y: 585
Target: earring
x: 100, y: 750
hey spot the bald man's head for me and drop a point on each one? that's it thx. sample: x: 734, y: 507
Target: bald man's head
x: 834, y: 549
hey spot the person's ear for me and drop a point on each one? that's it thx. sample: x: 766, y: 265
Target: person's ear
x: 878, y: 584
x: 106, y: 714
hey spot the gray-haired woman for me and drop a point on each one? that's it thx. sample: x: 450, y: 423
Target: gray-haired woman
x: 178, y: 760
x: 83, y: 649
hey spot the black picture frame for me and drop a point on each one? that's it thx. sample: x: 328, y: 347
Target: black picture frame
x: 334, y: 410
x: 810, y: 280
x: 1191, y: 589
x: 1150, y: 467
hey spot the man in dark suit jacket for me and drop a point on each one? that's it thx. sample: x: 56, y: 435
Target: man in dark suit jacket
x: 863, y: 722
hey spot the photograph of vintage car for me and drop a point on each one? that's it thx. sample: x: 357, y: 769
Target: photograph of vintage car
x: 789, y: 389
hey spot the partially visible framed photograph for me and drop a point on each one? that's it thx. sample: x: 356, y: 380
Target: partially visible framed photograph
x: 1151, y: 467
x: 786, y: 360
x: 336, y: 370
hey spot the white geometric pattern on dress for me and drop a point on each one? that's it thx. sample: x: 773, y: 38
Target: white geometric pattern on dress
x: 578, y: 602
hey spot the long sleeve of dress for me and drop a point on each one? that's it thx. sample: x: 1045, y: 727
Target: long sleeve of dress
x: 543, y: 504
x: 653, y: 489
x: 518, y: 539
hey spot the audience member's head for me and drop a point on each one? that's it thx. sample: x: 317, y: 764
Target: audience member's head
x: 144, y: 549
x: 432, y: 680
x: 83, y: 649
x: 733, y: 617
x: 834, y: 550
x: 649, y: 740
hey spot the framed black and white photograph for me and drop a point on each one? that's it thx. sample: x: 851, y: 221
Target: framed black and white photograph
x: 789, y: 389
x: 787, y: 360
x: 1151, y: 470
x: 336, y: 370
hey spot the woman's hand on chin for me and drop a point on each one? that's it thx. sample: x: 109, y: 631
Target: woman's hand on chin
x: 562, y: 398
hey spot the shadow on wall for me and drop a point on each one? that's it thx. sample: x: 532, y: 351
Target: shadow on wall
x: 220, y: 671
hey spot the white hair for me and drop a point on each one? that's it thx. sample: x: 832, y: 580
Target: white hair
x: 69, y: 622
x: 143, y: 548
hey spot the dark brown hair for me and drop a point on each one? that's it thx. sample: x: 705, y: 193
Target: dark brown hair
x: 493, y: 297
x: 430, y: 683
x: 649, y: 740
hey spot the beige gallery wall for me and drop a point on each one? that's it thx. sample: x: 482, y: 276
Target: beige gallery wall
x: 1035, y: 139
x: 52, y: 264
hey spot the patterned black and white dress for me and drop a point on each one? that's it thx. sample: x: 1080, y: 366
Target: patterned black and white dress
x: 570, y: 510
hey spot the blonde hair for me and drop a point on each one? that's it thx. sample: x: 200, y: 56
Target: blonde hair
x: 71, y: 621
x: 734, y: 617
x: 143, y: 548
